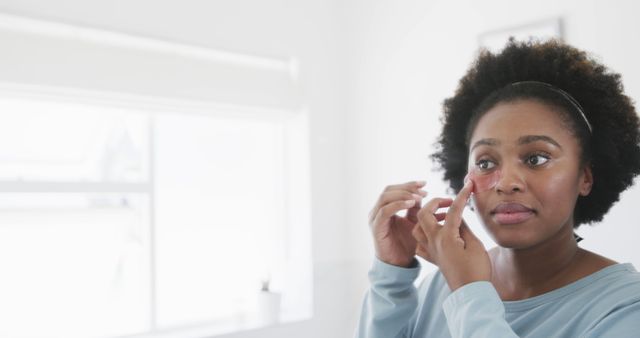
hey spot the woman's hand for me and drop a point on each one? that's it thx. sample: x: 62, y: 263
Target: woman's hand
x: 393, y: 240
x: 451, y: 246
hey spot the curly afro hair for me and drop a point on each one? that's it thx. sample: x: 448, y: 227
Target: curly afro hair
x: 612, y: 149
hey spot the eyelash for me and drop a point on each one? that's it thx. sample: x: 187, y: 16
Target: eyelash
x: 538, y: 154
x: 526, y: 158
x: 482, y: 161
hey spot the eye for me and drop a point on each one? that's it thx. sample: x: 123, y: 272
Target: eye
x: 485, y: 164
x: 536, y: 160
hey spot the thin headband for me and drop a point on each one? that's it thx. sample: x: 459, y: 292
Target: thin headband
x: 566, y: 95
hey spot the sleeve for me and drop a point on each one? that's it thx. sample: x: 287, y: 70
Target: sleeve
x: 476, y: 310
x: 390, y: 303
x: 622, y: 322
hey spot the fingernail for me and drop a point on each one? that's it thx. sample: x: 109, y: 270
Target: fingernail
x: 422, y: 193
x: 470, y: 182
x: 416, y: 196
x: 409, y: 202
x: 421, y: 183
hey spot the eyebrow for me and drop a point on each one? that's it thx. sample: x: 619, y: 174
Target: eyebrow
x: 534, y: 138
x: 522, y: 140
x: 485, y: 142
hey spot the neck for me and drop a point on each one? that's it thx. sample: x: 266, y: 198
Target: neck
x: 524, y: 273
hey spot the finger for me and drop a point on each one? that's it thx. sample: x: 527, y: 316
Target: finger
x: 423, y: 252
x: 419, y: 234
x: 396, y: 195
x: 385, y: 213
x: 412, y: 186
x: 434, y: 204
x: 454, y: 214
x: 469, y: 177
x: 427, y: 215
x: 412, y: 213
x: 392, y: 196
x: 431, y: 207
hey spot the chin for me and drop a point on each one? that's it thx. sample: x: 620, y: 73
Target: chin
x: 514, y: 243
x: 512, y: 236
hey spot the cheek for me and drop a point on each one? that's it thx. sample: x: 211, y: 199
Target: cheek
x: 559, y: 191
x: 483, y: 182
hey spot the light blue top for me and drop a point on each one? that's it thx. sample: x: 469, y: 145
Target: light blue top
x: 603, y: 304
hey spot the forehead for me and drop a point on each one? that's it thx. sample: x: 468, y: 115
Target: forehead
x: 510, y: 121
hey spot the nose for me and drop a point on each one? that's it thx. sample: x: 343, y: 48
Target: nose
x: 511, y: 180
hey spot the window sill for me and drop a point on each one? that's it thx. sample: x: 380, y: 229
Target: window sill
x: 208, y: 330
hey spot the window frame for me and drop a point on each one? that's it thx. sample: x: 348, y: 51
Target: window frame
x: 297, y: 187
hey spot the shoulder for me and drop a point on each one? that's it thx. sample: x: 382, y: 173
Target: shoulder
x: 614, y: 286
x: 624, y: 277
x: 618, y: 302
x: 619, y: 275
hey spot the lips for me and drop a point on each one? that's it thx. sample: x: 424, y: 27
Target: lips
x: 510, y: 208
x: 511, y: 213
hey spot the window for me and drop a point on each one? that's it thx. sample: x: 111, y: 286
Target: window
x: 144, y: 219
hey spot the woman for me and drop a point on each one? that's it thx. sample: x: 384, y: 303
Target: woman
x: 540, y: 139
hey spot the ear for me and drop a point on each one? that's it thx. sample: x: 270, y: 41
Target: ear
x: 586, y: 180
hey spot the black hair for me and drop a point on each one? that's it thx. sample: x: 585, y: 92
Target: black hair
x: 612, y: 148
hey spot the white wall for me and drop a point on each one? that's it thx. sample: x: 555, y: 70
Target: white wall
x: 307, y: 30
x: 410, y: 57
x: 374, y: 74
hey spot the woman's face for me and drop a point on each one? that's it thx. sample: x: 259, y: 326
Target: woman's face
x: 526, y: 166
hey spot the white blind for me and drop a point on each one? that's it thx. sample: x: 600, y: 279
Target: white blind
x: 58, y: 54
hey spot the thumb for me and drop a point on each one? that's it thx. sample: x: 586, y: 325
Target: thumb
x: 412, y: 213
